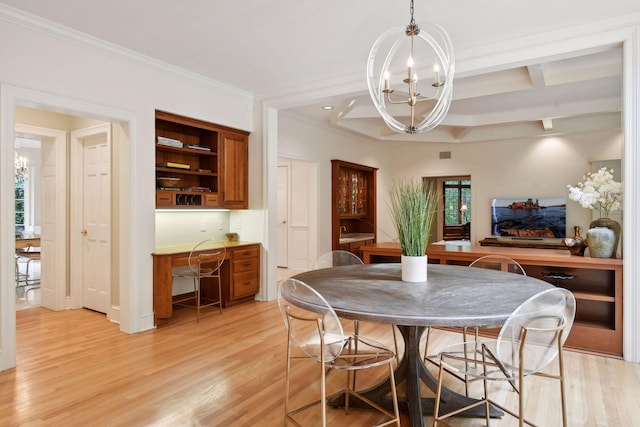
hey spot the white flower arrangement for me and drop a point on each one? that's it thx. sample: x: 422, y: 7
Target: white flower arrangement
x: 598, y: 191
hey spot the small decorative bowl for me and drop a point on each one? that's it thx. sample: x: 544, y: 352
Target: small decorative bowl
x: 168, y: 182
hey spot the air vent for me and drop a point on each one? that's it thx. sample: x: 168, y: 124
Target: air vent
x: 445, y: 155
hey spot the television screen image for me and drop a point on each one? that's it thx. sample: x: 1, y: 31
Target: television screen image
x: 529, y: 218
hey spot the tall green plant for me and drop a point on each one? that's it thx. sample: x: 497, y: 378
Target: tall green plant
x: 413, y: 207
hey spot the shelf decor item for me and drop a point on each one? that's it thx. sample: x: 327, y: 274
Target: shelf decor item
x: 576, y: 244
x: 601, y: 241
x: 413, y: 206
x: 599, y: 191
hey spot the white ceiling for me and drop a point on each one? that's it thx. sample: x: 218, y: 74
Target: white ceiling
x: 286, y: 49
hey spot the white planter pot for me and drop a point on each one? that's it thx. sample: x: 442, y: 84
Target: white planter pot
x: 414, y: 268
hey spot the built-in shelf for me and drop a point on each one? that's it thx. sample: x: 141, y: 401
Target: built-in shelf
x: 353, y: 198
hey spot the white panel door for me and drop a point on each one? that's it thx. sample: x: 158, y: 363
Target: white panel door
x: 53, y: 214
x: 303, y: 215
x: 48, y: 224
x: 283, y: 215
x: 96, y: 217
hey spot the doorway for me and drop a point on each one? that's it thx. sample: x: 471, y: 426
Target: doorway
x: 456, y: 206
x: 84, y: 114
x: 298, y: 207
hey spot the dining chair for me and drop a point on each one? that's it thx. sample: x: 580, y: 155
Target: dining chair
x: 314, y: 329
x: 492, y: 262
x: 27, y: 281
x: 530, y: 339
x: 202, y: 263
x: 336, y: 258
x: 341, y: 257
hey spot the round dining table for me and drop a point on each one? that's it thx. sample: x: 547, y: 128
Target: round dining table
x: 452, y: 296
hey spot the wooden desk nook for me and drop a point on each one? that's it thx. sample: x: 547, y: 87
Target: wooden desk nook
x: 595, y: 282
x: 240, y: 274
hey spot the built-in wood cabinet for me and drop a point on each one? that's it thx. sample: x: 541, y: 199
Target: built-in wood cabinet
x: 245, y: 272
x: 234, y: 179
x: 596, y: 284
x: 353, y: 200
x: 240, y: 275
x: 200, y: 164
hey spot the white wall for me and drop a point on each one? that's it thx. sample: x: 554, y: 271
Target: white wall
x: 513, y: 168
x: 89, y: 75
x: 185, y: 227
x: 302, y: 140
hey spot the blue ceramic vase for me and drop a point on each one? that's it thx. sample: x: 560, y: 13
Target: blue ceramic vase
x: 601, y: 241
x: 612, y: 225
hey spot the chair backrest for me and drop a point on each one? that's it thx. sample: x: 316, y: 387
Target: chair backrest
x: 498, y: 262
x: 312, y: 324
x: 206, y: 263
x: 538, y: 324
x: 336, y: 258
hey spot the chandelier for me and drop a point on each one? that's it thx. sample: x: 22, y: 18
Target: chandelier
x: 21, y: 170
x: 407, y: 104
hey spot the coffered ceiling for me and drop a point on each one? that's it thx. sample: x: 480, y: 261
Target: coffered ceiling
x: 314, y: 54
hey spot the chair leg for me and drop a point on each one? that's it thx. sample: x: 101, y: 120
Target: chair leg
x: 394, y: 393
x: 436, y: 408
x: 220, y: 293
x: 286, y: 383
x: 323, y: 387
x: 395, y: 342
x: 562, y: 390
x: 196, y: 290
x: 356, y: 332
x: 426, y: 344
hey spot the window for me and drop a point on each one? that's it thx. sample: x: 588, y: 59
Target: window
x: 20, y: 205
x: 457, y: 202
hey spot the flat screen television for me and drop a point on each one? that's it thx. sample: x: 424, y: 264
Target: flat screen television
x: 529, y: 218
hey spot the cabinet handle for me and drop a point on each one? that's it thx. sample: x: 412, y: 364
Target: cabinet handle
x: 246, y: 283
x: 558, y: 277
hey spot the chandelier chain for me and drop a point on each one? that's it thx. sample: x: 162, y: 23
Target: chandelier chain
x: 412, y: 22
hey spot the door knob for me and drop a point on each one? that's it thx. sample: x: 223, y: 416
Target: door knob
x: 84, y: 232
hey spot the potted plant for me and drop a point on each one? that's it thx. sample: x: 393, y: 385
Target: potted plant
x: 413, y: 205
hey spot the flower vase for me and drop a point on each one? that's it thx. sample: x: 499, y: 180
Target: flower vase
x: 414, y: 268
x: 576, y: 244
x: 601, y: 241
x: 612, y: 225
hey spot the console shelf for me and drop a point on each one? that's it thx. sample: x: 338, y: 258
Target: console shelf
x: 596, y: 284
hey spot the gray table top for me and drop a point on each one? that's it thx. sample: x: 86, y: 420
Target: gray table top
x: 451, y: 296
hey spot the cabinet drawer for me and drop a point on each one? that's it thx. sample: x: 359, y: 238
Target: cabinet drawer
x: 211, y: 200
x: 164, y: 198
x: 250, y: 264
x: 245, y: 253
x: 244, y: 284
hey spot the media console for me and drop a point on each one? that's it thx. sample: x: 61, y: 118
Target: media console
x: 595, y: 282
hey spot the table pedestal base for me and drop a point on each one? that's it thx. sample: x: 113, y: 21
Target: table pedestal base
x: 412, y: 372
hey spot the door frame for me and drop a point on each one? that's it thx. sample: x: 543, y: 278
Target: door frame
x: 124, y: 271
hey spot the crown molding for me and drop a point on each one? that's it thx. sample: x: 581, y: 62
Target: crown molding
x: 51, y: 29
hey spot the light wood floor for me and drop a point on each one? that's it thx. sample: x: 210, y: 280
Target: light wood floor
x: 76, y: 369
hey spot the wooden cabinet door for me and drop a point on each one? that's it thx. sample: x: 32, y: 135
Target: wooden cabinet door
x: 235, y: 170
